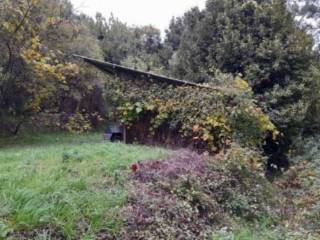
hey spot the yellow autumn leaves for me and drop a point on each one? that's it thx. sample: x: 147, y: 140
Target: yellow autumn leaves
x: 47, y: 71
x: 210, y: 119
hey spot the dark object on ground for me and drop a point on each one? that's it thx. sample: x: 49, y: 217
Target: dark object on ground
x: 115, y: 133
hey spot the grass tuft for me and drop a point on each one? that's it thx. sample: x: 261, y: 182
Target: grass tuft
x: 66, y: 183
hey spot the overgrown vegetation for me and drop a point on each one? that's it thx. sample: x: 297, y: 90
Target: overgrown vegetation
x: 40, y: 80
x: 59, y: 186
x: 208, y: 118
x: 191, y: 197
x: 226, y: 197
x: 256, y: 111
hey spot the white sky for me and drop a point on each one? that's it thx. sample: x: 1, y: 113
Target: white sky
x: 138, y: 12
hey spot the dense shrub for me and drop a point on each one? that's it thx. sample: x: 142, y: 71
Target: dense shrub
x: 300, y: 194
x: 189, y: 196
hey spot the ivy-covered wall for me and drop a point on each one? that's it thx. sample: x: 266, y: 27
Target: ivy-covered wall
x: 189, y: 116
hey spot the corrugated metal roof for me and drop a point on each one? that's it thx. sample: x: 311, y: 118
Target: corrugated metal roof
x: 114, y: 69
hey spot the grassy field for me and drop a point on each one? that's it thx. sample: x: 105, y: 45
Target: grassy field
x: 69, y: 184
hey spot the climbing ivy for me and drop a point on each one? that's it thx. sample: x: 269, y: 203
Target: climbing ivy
x: 212, y: 117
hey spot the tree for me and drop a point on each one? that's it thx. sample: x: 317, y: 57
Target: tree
x: 307, y: 15
x: 187, y: 62
x: 258, y: 40
x: 117, y: 40
x: 173, y: 39
x: 174, y: 33
x: 37, y: 75
x: 19, y: 39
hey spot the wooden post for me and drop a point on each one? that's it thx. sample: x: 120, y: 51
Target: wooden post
x: 124, y: 135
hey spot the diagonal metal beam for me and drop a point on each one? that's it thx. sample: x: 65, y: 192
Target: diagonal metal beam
x: 115, y: 69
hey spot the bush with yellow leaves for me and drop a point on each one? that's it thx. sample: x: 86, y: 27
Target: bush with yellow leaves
x: 210, y: 118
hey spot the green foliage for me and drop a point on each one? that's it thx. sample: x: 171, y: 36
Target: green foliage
x: 64, y: 185
x: 37, y: 74
x: 312, y: 116
x: 136, y: 47
x: 78, y: 123
x: 262, y: 232
x: 72, y: 186
x: 258, y: 39
x: 307, y: 16
x: 208, y: 117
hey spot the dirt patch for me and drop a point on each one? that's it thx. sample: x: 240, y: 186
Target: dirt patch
x: 48, y: 232
x: 184, y: 162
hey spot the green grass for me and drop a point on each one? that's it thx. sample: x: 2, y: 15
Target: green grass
x: 71, y: 183
x: 248, y: 233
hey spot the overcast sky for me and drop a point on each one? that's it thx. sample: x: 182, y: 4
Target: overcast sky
x: 138, y: 12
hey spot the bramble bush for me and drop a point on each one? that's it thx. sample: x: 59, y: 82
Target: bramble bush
x: 189, y: 196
